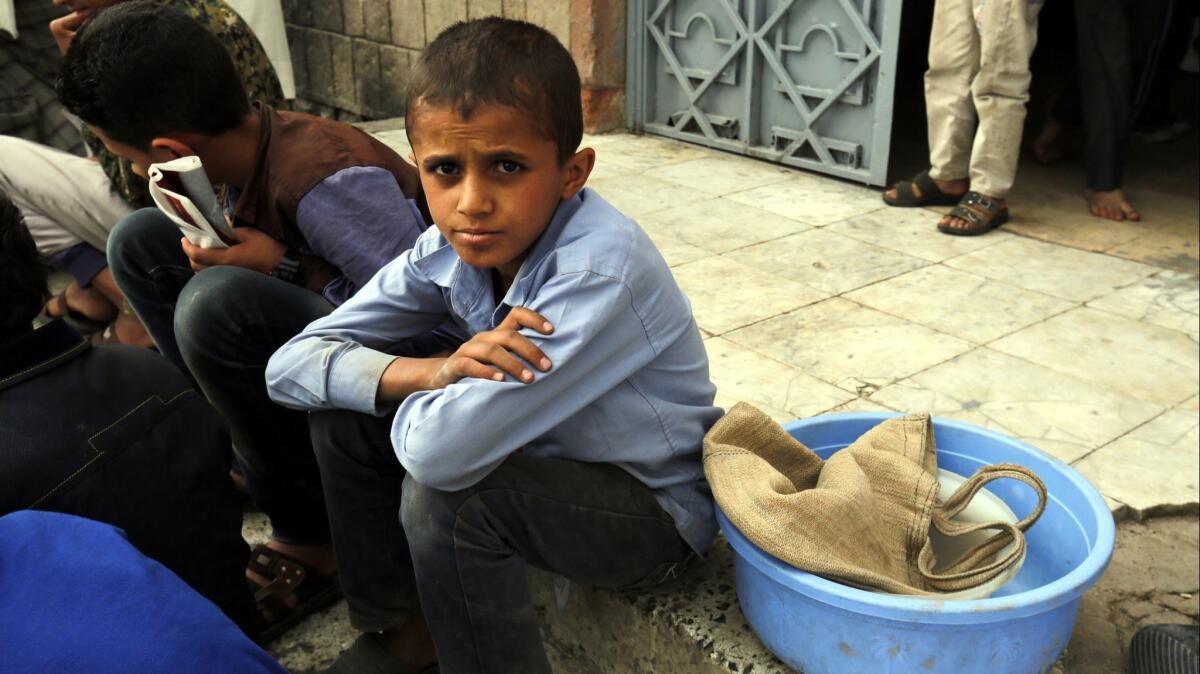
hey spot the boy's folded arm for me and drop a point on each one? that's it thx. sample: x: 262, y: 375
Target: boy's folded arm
x: 453, y: 437
x: 336, y: 361
x: 358, y: 220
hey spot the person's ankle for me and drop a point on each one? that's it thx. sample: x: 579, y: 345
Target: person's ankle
x: 951, y: 186
x: 319, y: 557
x: 410, y: 642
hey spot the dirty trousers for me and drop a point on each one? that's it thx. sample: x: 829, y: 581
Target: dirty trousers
x: 466, y: 552
x: 979, y: 75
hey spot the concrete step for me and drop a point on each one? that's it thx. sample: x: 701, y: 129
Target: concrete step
x: 692, y: 625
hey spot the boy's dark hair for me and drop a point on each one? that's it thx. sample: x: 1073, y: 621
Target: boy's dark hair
x: 496, y: 61
x: 22, y: 273
x: 139, y: 70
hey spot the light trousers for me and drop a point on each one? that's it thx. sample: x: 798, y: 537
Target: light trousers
x: 976, y: 89
x: 65, y: 199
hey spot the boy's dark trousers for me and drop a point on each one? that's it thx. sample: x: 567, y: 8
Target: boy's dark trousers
x: 220, y: 327
x: 465, y: 552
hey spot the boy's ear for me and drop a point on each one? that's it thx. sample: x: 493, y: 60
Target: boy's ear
x: 173, y: 146
x: 579, y: 167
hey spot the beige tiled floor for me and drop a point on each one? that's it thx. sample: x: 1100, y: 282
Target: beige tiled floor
x: 1152, y: 465
x: 1075, y: 334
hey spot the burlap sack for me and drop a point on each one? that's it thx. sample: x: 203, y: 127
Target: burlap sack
x: 863, y: 516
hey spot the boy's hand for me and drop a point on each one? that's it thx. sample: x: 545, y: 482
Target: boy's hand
x: 64, y: 28
x: 488, y: 355
x: 254, y: 250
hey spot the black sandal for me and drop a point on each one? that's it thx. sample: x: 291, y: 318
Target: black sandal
x: 931, y: 194
x: 981, y: 214
x: 287, y: 576
x: 80, y: 322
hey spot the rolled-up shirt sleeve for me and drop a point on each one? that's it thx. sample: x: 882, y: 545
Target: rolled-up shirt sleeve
x: 336, y: 362
x: 453, y: 437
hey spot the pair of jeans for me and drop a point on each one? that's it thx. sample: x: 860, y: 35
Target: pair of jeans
x: 465, y: 553
x: 220, y: 327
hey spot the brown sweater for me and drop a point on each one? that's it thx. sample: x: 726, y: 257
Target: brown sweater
x: 296, y: 152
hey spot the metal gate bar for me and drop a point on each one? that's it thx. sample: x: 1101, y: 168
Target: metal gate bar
x: 753, y: 77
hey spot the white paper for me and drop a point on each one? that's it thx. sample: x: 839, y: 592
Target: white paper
x: 194, y: 209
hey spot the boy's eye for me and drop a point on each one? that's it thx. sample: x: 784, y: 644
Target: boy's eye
x: 445, y: 169
x: 508, y: 166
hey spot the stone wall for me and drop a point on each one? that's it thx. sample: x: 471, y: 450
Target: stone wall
x: 352, y: 57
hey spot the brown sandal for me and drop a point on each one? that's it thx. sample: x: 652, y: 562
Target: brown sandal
x: 288, y: 577
x: 981, y: 214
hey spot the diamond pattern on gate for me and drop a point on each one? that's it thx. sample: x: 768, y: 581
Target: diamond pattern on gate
x: 675, y: 65
x: 657, y: 24
x: 820, y: 144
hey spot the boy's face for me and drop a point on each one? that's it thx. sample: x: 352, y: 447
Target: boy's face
x: 492, y: 182
x: 160, y: 150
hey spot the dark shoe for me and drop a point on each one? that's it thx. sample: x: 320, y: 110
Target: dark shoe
x: 368, y: 656
x: 1165, y: 649
x: 288, y: 577
x: 931, y: 194
x: 85, y: 325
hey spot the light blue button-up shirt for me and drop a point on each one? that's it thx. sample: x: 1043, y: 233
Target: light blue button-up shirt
x: 629, y: 385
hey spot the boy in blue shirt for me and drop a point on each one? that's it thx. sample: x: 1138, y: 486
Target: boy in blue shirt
x: 564, y: 434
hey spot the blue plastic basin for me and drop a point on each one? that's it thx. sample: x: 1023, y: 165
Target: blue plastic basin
x: 818, y: 626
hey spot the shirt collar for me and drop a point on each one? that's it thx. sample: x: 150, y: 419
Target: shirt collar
x: 546, y: 244
x: 471, y: 287
x: 245, y: 208
x: 33, y: 353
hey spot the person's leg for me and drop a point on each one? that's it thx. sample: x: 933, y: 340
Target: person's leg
x: 1106, y: 81
x: 1160, y: 31
x: 227, y: 323
x: 362, y: 483
x: 64, y: 198
x: 149, y: 267
x: 592, y: 523
x: 80, y: 300
x: 953, y: 62
x: 1008, y: 34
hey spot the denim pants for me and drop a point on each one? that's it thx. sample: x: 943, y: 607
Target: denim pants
x: 220, y: 327
x: 465, y: 553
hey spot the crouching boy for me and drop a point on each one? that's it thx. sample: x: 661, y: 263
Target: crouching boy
x: 564, y: 434
x: 318, y: 207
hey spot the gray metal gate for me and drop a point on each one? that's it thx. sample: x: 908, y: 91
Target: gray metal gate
x: 807, y: 83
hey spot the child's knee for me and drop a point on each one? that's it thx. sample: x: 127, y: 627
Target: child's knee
x: 427, y: 514
x: 141, y: 230
x: 207, y: 307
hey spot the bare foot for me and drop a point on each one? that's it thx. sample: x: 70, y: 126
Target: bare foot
x: 954, y: 187
x: 1111, y: 205
x: 127, y: 329
x: 1046, y: 147
x: 88, y: 302
x: 951, y: 222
